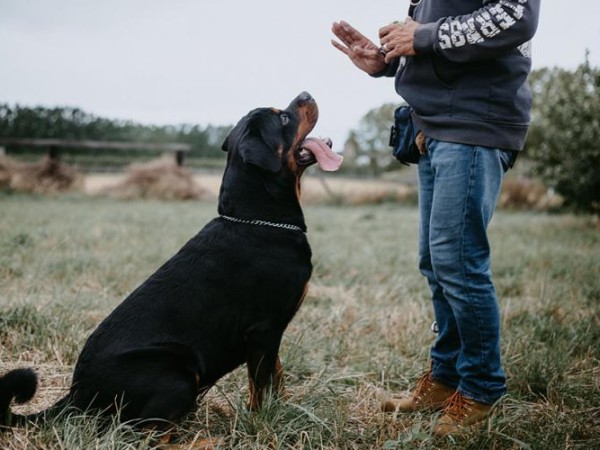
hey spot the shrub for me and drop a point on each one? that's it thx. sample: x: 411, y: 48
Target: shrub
x: 565, y: 135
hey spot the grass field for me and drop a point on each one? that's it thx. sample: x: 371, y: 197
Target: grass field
x: 361, y: 334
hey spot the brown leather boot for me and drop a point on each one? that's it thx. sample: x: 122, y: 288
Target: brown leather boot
x: 460, y: 412
x: 428, y: 394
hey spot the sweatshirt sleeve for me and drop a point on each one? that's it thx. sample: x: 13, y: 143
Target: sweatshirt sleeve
x: 498, y: 26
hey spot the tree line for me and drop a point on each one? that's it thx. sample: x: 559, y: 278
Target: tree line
x: 74, y: 123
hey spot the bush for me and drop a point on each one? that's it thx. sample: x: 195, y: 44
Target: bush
x: 564, y: 141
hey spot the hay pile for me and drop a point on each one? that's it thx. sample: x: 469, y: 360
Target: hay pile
x: 47, y: 176
x: 159, y: 179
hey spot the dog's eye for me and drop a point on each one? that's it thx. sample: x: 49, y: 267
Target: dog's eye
x: 285, y: 119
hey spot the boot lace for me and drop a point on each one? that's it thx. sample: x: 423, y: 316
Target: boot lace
x: 424, y: 386
x: 458, y: 407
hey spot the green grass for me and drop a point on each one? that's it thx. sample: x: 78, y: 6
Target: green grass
x: 361, y: 334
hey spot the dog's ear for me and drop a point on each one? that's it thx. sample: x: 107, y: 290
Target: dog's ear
x: 224, y: 147
x: 256, y: 150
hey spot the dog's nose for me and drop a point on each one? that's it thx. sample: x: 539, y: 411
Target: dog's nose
x: 303, y: 100
x: 304, y: 97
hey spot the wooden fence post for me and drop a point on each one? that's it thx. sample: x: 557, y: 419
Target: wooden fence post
x: 53, y: 153
x: 179, y: 157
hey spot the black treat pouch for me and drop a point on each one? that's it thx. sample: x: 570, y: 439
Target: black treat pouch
x: 403, y: 135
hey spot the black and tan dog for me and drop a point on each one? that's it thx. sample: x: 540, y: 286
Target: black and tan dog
x: 223, y: 300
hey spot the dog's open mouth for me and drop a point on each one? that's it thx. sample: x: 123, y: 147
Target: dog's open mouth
x: 313, y: 150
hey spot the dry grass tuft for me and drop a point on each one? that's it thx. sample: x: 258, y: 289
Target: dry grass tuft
x: 159, y: 179
x: 355, y: 192
x: 524, y: 193
x: 47, y: 176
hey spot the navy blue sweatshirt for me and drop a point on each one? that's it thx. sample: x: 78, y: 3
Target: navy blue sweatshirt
x: 468, y: 81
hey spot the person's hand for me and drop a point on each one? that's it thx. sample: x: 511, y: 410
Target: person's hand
x: 362, y: 52
x: 397, y: 39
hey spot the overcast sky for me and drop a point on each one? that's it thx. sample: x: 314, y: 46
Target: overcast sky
x: 211, y: 61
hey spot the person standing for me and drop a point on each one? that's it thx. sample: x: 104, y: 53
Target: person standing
x: 462, y: 66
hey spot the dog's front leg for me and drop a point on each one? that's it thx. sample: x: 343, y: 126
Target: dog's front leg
x: 264, y: 372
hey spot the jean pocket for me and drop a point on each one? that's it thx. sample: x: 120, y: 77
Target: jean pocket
x: 508, y: 158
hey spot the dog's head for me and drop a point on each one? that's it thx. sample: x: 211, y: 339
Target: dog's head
x: 274, y: 140
x: 267, y: 153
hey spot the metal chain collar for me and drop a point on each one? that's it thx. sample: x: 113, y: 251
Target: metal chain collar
x: 285, y: 226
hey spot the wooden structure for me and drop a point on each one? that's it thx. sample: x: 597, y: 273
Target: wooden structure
x: 53, y: 146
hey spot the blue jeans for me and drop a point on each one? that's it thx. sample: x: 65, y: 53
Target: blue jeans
x: 459, y: 187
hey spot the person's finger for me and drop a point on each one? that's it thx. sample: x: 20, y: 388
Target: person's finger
x: 387, y: 29
x: 340, y: 47
x: 343, y: 35
x: 396, y: 52
x: 336, y: 27
x: 384, y: 31
x: 393, y: 53
x: 352, y: 33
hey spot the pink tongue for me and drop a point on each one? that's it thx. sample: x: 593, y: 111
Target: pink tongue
x: 327, y: 159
